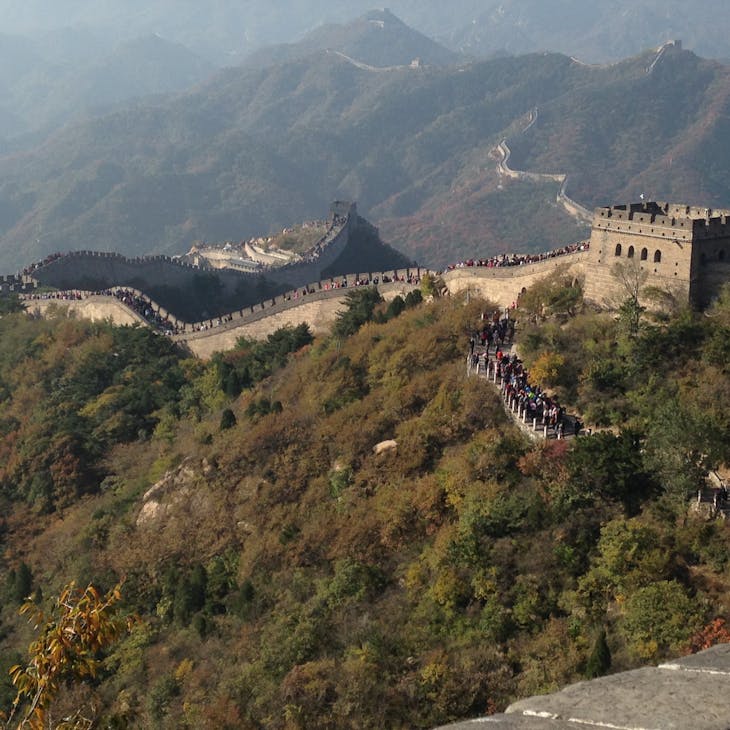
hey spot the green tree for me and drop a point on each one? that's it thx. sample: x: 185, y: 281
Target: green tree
x: 599, y: 662
x: 11, y: 304
x: 413, y: 298
x: 228, y: 419
x: 605, y: 467
x: 360, y: 304
x: 682, y: 443
x: 660, y: 619
x: 396, y: 306
x: 432, y: 285
x: 22, y: 583
x: 555, y: 294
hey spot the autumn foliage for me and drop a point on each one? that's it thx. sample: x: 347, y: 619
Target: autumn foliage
x: 71, y: 637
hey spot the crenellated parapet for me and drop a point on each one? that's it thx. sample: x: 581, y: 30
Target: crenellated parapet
x: 316, y: 303
x: 666, y: 220
x: 17, y: 284
x: 101, y: 269
x: 676, y: 247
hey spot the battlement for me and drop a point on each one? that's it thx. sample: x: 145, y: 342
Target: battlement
x: 664, y: 220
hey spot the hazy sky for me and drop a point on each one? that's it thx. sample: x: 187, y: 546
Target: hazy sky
x: 228, y: 29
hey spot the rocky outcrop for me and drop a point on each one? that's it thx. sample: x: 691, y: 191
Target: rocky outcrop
x: 175, y: 487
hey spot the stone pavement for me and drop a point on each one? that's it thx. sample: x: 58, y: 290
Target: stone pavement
x: 690, y: 693
x: 532, y: 428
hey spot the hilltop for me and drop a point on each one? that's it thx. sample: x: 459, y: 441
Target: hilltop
x: 602, y: 32
x: 254, y: 150
x: 378, y: 39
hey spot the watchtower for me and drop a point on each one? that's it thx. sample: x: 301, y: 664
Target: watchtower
x: 681, y: 248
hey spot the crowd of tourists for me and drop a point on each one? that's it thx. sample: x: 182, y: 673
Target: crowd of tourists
x: 498, y: 331
x: 521, y: 259
x: 131, y: 299
x: 143, y: 307
x: 74, y: 295
x: 28, y: 270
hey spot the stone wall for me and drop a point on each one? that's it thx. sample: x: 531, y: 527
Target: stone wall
x: 503, y: 284
x: 14, y: 284
x: 95, y: 307
x: 302, y: 273
x: 688, y: 256
x: 680, y: 248
x: 318, y: 309
x: 94, y: 270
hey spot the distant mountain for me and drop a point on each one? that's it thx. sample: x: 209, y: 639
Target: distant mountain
x: 253, y: 150
x: 143, y: 66
x: 378, y: 39
x: 226, y: 31
x: 595, y: 32
x: 42, y: 93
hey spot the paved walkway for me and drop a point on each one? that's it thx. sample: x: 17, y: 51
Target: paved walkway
x: 533, y: 427
x: 690, y: 693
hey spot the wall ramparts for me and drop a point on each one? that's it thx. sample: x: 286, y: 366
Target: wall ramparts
x: 95, y: 307
x: 100, y: 269
x: 318, y: 310
x: 14, y: 284
x: 390, y: 282
x: 504, y: 284
x: 317, y: 304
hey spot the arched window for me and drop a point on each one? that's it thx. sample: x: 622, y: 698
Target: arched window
x: 644, y: 254
x: 721, y: 255
x: 617, y: 252
x: 657, y: 257
x: 630, y: 253
x: 703, y: 259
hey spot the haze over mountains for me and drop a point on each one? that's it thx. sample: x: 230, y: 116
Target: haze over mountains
x: 58, y: 61
x: 377, y: 38
x: 225, y: 30
x: 44, y: 84
x: 338, y: 114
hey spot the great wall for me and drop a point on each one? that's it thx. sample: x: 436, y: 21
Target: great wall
x: 681, y: 249
x: 502, y: 152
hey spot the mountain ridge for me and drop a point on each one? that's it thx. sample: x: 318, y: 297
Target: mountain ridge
x: 377, y: 38
x: 259, y: 148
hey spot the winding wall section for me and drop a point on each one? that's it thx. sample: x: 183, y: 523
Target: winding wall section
x: 98, y: 270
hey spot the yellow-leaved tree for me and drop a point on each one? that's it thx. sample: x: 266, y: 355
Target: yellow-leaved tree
x: 71, y: 637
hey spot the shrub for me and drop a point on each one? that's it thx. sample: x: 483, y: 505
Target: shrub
x: 228, y: 419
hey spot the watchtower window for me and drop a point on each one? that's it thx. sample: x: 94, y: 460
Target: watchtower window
x: 630, y: 253
x: 657, y: 257
x: 644, y: 254
x: 618, y: 250
x: 721, y: 255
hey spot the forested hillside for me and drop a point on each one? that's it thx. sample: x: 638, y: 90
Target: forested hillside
x: 286, y: 576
